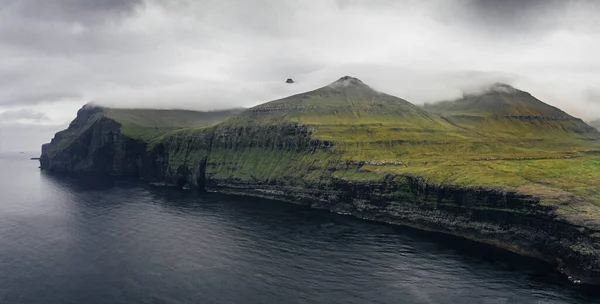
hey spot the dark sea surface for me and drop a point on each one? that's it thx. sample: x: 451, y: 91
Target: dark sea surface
x: 66, y: 240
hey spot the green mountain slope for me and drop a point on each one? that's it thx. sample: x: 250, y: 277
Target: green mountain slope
x: 348, y: 101
x: 349, y: 111
x: 151, y: 123
x: 498, y: 100
x: 502, y: 109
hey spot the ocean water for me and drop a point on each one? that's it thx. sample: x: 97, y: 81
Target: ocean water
x: 74, y: 240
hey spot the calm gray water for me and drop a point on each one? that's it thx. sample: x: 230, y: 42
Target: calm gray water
x: 79, y: 241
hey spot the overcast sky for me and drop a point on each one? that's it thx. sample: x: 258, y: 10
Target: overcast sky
x: 211, y: 54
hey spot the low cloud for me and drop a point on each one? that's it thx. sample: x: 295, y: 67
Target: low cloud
x: 80, y: 11
x: 26, y: 137
x: 593, y: 95
x: 22, y: 115
x: 512, y: 17
x: 33, y: 98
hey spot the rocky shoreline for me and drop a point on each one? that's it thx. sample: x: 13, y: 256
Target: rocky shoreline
x: 534, y: 232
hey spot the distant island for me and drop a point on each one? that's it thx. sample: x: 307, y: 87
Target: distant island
x: 500, y: 167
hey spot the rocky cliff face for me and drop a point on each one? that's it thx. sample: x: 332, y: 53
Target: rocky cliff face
x: 517, y: 223
x: 93, y: 143
x: 217, y: 159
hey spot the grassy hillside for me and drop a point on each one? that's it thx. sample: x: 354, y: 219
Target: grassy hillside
x: 350, y: 111
x: 500, y: 138
x: 504, y: 110
x: 498, y: 100
x: 149, y: 124
x: 347, y: 101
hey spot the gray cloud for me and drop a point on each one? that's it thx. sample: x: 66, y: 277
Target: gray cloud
x: 32, y: 98
x: 66, y: 26
x: 488, y: 17
x: 81, y: 11
x: 593, y: 95
x: 515, y: 15
x: 26, y: 137
x: 22, y: 114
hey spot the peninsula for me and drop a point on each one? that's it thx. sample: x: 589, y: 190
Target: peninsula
x: 499, y: 167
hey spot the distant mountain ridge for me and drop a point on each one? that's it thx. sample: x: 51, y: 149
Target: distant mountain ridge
x: 502, y: 108
x: 498, y: 100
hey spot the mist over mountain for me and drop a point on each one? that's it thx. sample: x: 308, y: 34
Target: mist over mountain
x: 595, y: 124
x: 216, y: 55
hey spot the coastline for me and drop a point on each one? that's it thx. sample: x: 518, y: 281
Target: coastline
x: 299, y: 163
x: 527, y: 236
x: 541, y: 236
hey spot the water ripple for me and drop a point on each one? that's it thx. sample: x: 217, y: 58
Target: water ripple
x: 72, y: 241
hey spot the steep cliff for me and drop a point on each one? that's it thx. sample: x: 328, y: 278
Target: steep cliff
x: 349, y: 148
x: 117, y: 141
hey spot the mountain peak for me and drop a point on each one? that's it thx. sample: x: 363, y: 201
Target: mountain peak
x: 348, y: 81
x: 90, y: 105
x: 501, y: 88
x: 493, y: 89
x: 89, y: 109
